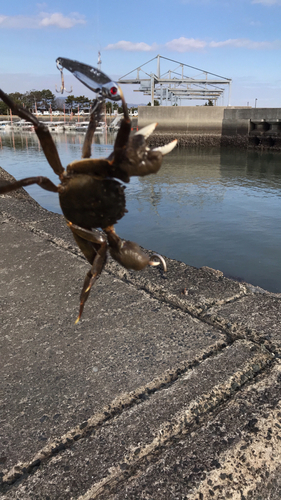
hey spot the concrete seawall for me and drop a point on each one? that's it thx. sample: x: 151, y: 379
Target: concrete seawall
x: 168, y: 388
x: 183, y: 119
x: 215, y: 126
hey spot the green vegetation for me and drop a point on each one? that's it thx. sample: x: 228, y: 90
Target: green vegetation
x: 113, y: 106
x: 156, y: 103
x: 72, y: 102
x: 42, y: 98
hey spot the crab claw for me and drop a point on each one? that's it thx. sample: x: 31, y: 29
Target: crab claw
x: 147, y: 131
x: 167, y: 148
x: 132, y: 156
x: 162, y: 261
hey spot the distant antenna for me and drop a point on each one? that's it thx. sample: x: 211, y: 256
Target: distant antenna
x: 99, y: 60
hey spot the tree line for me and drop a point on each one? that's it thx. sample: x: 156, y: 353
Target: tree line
x: 31, y: 99
x: 44, y: 99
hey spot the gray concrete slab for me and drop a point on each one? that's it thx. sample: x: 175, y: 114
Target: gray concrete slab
x: 188, y: 288
x: 256, y: 316
x: 114, y: 451
x: 234, y: 454
x: 154, y: 394
x: 125, y: 339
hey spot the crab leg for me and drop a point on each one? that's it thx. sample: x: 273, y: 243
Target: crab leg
x: 94, y: 119
x: 91, y: 276
x: 129, y: 254
x: 94, y: 246
x: 43, y: 182
x: 124, y: 130
x: 42, y: 132
x: 88, y: 241
x: 92, y: 235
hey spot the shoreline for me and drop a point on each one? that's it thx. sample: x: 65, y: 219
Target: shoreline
x: 188, y: 139
x: 211, y: 140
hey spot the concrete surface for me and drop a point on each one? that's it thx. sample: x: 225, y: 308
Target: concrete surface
x: 214, y: 126
x: 217, y: 120
x: 187, y: 119
x: 169, y: 387
x: 236, y: 121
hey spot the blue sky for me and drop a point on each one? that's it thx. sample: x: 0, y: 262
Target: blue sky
x: 238, y: 39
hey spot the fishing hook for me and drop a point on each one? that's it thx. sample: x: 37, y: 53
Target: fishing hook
x: 62, y: 88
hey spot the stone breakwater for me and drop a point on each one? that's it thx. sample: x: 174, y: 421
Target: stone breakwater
x: 200, y: 140
x: 184, y: 140
x: 210, y: 140
x: 206, y: 126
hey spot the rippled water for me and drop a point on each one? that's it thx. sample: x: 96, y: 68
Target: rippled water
x: 216, y: 208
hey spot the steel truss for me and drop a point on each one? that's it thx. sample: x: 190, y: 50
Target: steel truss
x: 173, y: 85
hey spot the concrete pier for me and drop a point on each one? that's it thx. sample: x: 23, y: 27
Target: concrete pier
x: 168, y: 388
x: 214, y: 125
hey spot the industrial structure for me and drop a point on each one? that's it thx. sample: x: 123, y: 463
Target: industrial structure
x: 174, y: 85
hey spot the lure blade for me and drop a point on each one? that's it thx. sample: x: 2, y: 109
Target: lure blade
x: 93, y: 78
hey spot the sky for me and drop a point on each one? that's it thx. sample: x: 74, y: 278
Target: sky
x: 237, y: 39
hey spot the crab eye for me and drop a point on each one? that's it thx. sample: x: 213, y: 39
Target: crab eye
x: 113, y: 90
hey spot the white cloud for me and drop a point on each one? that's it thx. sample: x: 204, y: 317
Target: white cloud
x: 178, y: 45
x: 16, y: 22
x: 43, y: 19
x: 246, y: 44
x: 131, y: 46
x: 183, y: 44
x: 61, y: 21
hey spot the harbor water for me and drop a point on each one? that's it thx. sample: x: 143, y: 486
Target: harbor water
x: 206, y: 207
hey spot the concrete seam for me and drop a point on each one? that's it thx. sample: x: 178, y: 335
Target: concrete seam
x: 235, y: 330
x: 181, y: 424
x: 116, y: 408
x: 243, y: 464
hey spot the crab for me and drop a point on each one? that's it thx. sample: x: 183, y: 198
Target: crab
x: 90, y: 192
